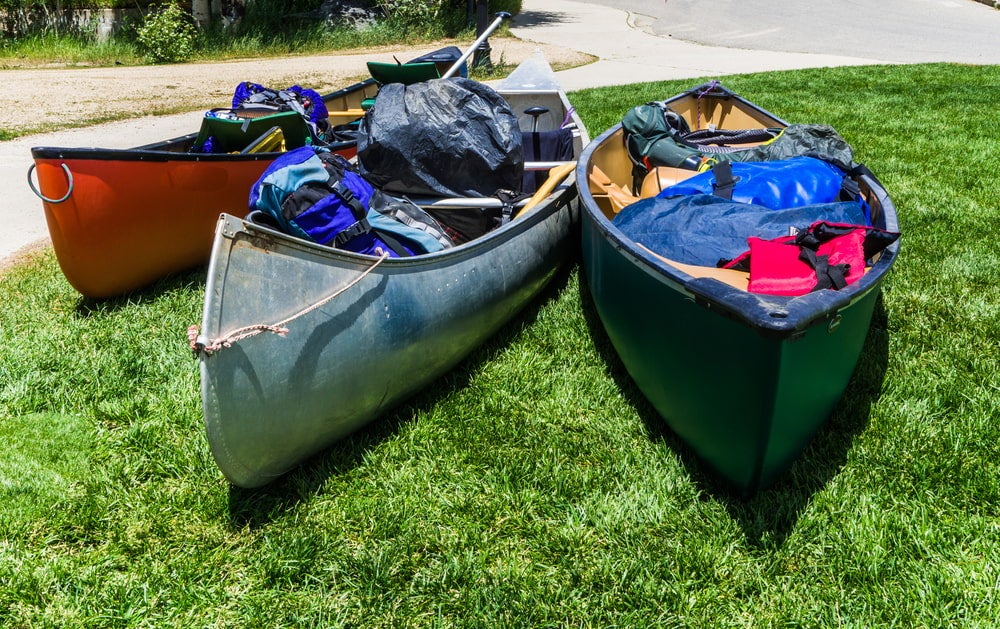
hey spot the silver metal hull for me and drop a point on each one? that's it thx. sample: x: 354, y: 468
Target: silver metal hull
x: 271, y: 401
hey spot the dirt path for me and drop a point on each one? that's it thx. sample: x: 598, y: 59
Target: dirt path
x: 48, y: 98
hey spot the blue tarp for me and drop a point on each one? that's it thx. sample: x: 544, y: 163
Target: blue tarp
x: 703, y: 229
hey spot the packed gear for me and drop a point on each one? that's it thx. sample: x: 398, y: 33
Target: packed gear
x: 826, y: 255
x: 444, y: 137
x: 319, y: 196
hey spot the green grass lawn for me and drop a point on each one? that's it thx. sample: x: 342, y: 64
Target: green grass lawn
x: 533, y: 486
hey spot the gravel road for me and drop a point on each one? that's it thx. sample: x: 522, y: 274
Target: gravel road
x: 73, y: 97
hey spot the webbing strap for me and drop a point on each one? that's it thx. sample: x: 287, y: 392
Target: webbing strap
x: 347, y: 195
x: 508, y: 198
x: 394, y: 243
x: 724, y: 180
x: 827, y: 275
x: 359, y: 228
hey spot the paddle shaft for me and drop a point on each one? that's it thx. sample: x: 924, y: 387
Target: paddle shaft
x: 501, y: 16
x: 556, y: 177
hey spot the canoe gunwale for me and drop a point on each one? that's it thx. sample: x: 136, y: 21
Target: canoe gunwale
x: 156, y: 151
x: 770, y: 315
x: 153, y: 155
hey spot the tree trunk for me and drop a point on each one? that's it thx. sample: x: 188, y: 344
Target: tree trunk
x: 201, y: 11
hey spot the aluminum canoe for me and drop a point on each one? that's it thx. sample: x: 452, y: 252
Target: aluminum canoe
x: 120, y: 219
x: 391, y: 327
x: 746, y: 380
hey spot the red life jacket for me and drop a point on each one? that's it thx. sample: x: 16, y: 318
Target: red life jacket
x: 827, y: 255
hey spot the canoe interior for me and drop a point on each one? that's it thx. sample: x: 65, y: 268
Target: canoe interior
x: 610, y: 175
x: 785, y: 361
x: 343, y: 107
x: 719, y: 109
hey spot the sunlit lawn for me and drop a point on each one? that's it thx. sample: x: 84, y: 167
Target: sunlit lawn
x: 533, y: 486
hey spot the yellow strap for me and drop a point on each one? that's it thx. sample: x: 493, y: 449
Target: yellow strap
x: 345, y: 113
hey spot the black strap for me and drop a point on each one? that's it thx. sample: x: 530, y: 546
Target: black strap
x: 348, y: 234
x: 394, y: 243
x: 724, y: 180
x: 348, y: 197
x: 827, y: 275
x: 508, y: 198
x: 362, y: 226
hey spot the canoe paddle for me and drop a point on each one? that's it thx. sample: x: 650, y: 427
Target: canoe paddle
x: 501, y: 16
x: 556, y: 176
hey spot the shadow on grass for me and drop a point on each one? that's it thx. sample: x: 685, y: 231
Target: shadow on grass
x: 87, y: 306
x: 767, y: 517
x: 256, y: 507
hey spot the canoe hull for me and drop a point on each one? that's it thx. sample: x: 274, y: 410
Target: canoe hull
x: 744, y: 380
x: 393, y: 327
x: 133, y: 216
x: 349, y: 361
x: 747, y: 404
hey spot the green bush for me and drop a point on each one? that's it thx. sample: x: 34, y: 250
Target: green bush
x: 167, y: 35
x: 411, y: 13
x: 439, y: 18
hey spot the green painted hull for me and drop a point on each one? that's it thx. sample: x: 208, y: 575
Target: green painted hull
x: 746, y: 403
x: 745, y: 380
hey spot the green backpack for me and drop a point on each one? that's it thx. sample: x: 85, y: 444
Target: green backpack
x: 656, y: 135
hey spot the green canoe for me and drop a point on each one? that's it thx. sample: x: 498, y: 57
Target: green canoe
x: 744, y: 379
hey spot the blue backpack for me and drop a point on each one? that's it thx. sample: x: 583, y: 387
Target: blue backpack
x: 318, y: 195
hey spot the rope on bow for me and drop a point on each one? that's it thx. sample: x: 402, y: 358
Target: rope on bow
x: 200, y: 344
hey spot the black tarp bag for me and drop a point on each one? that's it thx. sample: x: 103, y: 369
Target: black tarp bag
x: 445, y: 137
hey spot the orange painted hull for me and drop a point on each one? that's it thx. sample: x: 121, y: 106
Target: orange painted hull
x: 128, y: 223
x: 133, y: 216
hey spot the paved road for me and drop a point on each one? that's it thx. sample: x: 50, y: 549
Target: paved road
x: 629, y: 51
x: 898, y: 31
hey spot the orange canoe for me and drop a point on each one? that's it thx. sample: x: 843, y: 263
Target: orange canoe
x: 120, y: 219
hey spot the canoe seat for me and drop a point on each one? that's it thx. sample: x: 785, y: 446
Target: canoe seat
x: 611, y: 197
x: 663, y: 177
x: 405, y: 73
x: 348, y: 113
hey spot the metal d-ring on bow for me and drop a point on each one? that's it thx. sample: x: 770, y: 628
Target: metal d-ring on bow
x: 69, y: 191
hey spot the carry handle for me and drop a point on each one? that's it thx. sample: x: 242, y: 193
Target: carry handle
x: 69, y: 190
x: 535, y: 112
